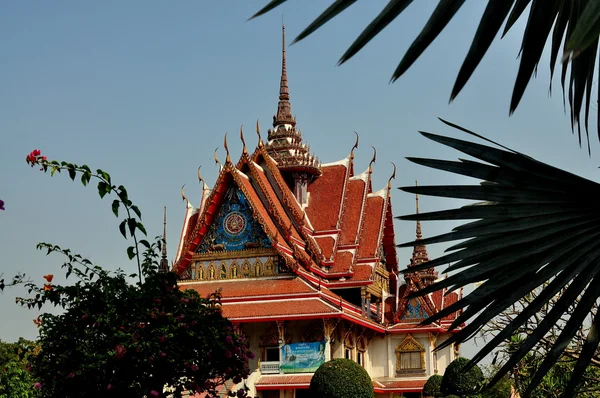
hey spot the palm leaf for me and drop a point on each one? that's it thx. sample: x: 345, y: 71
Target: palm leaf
x: 534, y: 225
x: 577, y: 21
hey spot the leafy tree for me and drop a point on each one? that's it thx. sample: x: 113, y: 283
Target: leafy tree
x: 341, y: 378
x: 575, y: 20
x: 502, y: 389
x: 460, y: 380
x: 114, y: 338
x: 15, y: 379
x: 433, y: 386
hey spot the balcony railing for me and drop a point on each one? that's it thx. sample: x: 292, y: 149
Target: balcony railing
x: 269, y: 367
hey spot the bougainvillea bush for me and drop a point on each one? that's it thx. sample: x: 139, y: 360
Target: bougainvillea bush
x: 115, y: 338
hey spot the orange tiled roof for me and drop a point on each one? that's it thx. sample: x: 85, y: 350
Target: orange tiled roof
x: 372, y: 225
x: 325, y: 197
x: 243, y: 288
x: 353, y: 204
x: 395, y: 385
x: 292, y: 308
x: 276, y: 382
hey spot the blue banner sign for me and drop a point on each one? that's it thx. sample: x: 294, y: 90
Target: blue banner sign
x: 302, y: 357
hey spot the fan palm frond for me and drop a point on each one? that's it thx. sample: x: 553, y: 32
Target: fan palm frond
x: 575, y: 21
x: 535, y: 226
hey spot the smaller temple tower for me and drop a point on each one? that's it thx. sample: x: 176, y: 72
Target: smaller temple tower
x: 164, y: 262
x: 419, y: 256
x: 297, y: 165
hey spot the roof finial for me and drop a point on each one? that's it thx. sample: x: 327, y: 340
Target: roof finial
x: 372, y: 160
x: 217, y: 159
x: 164, y: 263
x: 284, y: 109
x: 227, y: 158
x: 393, y: 176
x: 183, y: 197
x: 354, y: 147
x: 260, y: 141
x: 200, y: 179
x: 244, y: 150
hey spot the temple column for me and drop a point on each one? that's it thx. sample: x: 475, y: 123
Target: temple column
x: 281, y: 337
x: 328, y: 328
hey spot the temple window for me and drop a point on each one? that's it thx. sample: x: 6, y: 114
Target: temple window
x: 349, y: 347
x: 410, y: 356
x: 361, y: 350
x: 223, y: 271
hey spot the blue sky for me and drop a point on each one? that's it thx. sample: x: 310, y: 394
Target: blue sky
x: 146, y: 90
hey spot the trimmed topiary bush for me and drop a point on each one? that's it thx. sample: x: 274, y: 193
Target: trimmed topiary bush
x: 341, y: 378
x: 433, y: 386
x: 458, y: 382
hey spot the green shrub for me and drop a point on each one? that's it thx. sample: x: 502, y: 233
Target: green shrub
x: 433, y: 386
x: 341, y: 378
x: 458, y: 382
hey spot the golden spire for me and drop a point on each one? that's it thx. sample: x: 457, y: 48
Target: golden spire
x: 284, y: 108
x: 419, y: 234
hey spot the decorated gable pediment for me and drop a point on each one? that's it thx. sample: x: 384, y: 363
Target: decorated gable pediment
x: 414, y: 310
x: 234, y: 227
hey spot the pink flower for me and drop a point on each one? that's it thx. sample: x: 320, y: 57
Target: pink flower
x: 185, y: 300
x: 109, y: 387
x: 162, y: 339
x: 154, y: 393
x: 163, y: 354
x: 227, y: 354
x: 180, y: 317
x: 120, y: 351
x: 37, y: 386
x: 228, y: 340
x: 194, y: 368
x: 2, y: 205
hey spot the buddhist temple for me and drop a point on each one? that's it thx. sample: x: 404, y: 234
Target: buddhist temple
x: 303, y: 254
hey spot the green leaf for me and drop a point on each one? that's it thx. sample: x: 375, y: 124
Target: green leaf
x: 334, y: 9
x: 137, y: 211
x: 443, y: 13
x: 491, y: 21
x: 115, y: 207
x: 72, y: 172
x: 385, y: 17
x: 131, y: 252
x: 122, y: 228
x: 131, y: 223
x: 141, y: 227
x: 145, y: 243
x: 103, y: 188
x: 85, y: 178
x: 272, y: 4
x: 122, y: 192
x: 586, y: 30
